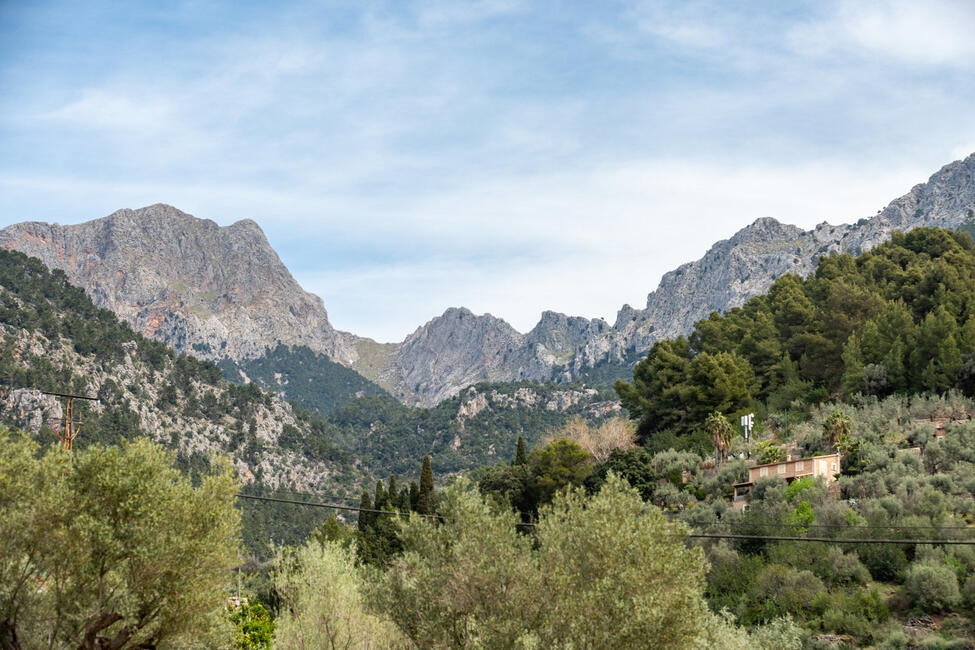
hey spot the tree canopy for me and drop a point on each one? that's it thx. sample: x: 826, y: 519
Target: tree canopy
x: 111, y: 547
x: 897, y: 319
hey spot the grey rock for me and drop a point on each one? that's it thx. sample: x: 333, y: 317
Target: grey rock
x: 734, y: 270
x: 211, y: 291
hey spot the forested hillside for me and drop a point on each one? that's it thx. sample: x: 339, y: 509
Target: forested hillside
x: 872, y: 357
x: 897, y: 319
x: 53, y: 338
x: 304, y: 376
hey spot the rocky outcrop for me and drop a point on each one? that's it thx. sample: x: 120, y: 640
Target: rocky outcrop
x: 459, y: 349
x: 211, y: 291
x: 138, y: 387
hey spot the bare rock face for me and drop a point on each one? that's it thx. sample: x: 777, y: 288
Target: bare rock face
x: 211, y: 291
x: 460, y: 348
x: 736, y: 269
x: 456, y: 350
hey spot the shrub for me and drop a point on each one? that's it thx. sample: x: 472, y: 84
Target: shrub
x: 932, y: 587
x: 780, y: 590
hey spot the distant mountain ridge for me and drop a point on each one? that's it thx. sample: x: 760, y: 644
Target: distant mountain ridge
x: 224, y: 293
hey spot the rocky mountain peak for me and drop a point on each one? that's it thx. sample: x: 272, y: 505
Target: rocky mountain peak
x: 201, y: 288
x: 763, y: 230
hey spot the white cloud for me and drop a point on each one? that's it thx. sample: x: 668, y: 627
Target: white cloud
x: 935, y: 32
x: 100, y: 109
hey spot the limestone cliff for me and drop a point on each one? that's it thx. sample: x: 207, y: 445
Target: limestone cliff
x: 211, y: 291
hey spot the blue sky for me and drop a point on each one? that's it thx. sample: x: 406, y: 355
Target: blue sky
x: 510, y: 157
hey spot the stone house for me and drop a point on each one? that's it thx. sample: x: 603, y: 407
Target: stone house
x: 826, y: 467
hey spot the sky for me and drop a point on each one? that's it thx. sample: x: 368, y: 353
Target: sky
x: 505, y: 156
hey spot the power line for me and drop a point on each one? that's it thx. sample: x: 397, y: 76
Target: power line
x: 745, y: 524
x: 767, y: 538
x: 831, y: 540
x: 334, y: 506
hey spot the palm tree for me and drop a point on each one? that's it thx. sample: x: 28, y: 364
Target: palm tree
x: 837, y: 427
x: 720, y: 432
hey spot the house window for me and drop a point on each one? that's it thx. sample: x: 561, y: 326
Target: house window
x: 781, y: 469
x: 799, y: 466
x: 763, y: 471
x: 834, y: 466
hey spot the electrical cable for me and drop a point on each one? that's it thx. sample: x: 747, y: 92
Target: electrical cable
x: 768, y: 538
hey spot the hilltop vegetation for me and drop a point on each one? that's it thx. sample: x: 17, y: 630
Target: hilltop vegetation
x: 897, y: 319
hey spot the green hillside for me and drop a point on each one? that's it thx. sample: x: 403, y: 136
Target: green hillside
x: 303, y: 376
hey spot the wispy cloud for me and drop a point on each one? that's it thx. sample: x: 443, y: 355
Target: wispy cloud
x: 938, y: 32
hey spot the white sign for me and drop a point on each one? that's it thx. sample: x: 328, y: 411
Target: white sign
x: 748, y: 422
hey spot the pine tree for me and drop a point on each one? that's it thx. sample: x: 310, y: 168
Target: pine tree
x: 520, y: 457
x: 852, y: 366
x: 428, y: 499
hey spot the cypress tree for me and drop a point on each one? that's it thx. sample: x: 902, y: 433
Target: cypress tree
x: 381, y: 497
x: 393, y: 491
x: 520, y: 457
x: 365, y: 518
x: 414, y: 496
x: 428, y: 500
x: 404, y: 500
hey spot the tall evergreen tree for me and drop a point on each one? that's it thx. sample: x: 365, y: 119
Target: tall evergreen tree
x: 428, y: 499
x: 365, y: 518
x: 393, y: 493
x: 414, y: 496
x: 381, y: 497
x: 520, y: 457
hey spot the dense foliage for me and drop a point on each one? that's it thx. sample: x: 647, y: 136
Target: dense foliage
x: 306, y: 377
x: 606, y: 571
x: 111, y: 547
x: 398, y: 435
x: 889, y: 337
x: 897, y: 319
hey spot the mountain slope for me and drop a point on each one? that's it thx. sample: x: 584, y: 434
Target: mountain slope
x: 300, y: 374
x: 53, y: 338
x: 216, y: 292
x: 223, y: 292
x: 733, y: 270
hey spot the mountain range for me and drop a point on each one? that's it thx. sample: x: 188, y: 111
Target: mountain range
x: 223, y: 294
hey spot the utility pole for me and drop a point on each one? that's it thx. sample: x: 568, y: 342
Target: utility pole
x: 69, y: 426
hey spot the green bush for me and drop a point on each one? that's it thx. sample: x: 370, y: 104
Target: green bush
x: 932, y: 587
x: 780, y: 590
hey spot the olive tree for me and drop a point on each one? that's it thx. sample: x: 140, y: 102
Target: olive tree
x: 111, y: 547
x: 607, y: 571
